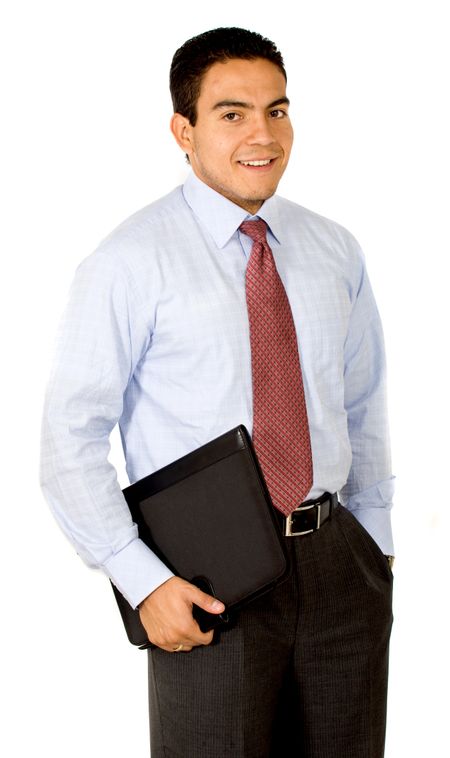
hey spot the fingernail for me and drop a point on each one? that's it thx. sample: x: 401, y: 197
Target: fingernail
x: 217, y: 606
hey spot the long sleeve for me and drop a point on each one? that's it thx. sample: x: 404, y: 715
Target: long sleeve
x: 369, y: 489
x: 101, y: 339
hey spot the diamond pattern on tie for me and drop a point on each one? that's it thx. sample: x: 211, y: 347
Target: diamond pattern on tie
x: 280, y: 422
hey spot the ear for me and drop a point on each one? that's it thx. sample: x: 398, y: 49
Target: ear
x: 182, y: 131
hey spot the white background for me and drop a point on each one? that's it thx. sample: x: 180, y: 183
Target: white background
x: 85, y: 143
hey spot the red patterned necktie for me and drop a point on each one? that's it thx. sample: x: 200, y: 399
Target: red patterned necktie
x: 280, y: 422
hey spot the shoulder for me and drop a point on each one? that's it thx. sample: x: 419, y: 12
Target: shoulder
x: 154, y: 221
x: 132, y: 244
x: 316, y: 228
x: 324, y: 239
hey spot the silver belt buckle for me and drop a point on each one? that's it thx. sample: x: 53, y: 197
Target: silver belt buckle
x: 288, y: 527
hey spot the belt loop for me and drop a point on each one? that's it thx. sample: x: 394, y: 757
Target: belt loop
x: 334, y: 502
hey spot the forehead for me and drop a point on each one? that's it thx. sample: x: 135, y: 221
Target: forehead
x: 257, y: 81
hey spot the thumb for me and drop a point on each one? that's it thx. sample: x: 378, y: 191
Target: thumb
x: 207, y: 602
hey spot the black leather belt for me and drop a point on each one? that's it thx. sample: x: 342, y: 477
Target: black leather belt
x: 309, y: 516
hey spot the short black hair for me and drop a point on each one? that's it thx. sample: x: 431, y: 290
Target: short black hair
x: 193, y: 59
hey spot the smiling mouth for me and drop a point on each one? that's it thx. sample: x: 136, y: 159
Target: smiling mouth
x: 257, y: 163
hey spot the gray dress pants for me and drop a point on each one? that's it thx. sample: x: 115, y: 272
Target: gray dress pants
x: 303, y: 671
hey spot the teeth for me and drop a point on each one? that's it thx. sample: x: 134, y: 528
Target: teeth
x: 255, y: 163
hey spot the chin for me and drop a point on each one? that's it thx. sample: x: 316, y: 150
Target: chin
x: 260, y: 197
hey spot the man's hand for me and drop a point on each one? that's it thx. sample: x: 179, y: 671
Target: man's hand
x: 166, y: 615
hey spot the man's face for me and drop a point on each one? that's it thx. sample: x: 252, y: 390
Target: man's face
x: 241, y: 142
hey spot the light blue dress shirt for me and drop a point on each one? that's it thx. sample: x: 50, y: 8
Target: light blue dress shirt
x: 155, y: 337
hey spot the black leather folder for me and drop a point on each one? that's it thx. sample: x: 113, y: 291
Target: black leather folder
x: 209, y: 517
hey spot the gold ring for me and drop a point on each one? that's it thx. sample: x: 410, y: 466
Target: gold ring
x: 178, y: 648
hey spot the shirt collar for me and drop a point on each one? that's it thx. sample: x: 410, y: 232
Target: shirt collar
x: 220, y: 216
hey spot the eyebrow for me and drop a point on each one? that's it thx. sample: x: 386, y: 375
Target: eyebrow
x: 241, y: 104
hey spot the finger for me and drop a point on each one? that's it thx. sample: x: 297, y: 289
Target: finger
x: 208, y: 638
x: 192, y: 635
x: 207, y: 602
x: 186, y: 648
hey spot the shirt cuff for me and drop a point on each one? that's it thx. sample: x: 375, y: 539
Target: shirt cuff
x: 372, y: 508
x: 377, y: 522
x: 136, y: 571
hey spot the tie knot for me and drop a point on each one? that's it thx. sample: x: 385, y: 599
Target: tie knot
x: 256, y: 230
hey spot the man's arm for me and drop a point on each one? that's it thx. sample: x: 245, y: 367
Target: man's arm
x: 100, y: 340
x: 369, y: 489
x: 103, y: 335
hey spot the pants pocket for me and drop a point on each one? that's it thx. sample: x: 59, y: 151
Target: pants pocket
x: 364, y: 550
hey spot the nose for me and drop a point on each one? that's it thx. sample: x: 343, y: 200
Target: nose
x: 260, y: 130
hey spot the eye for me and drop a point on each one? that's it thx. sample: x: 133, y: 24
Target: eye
x: 278, y: 113
x: 231, y: 116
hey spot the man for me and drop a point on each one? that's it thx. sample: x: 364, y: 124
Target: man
x: 167, y: 333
